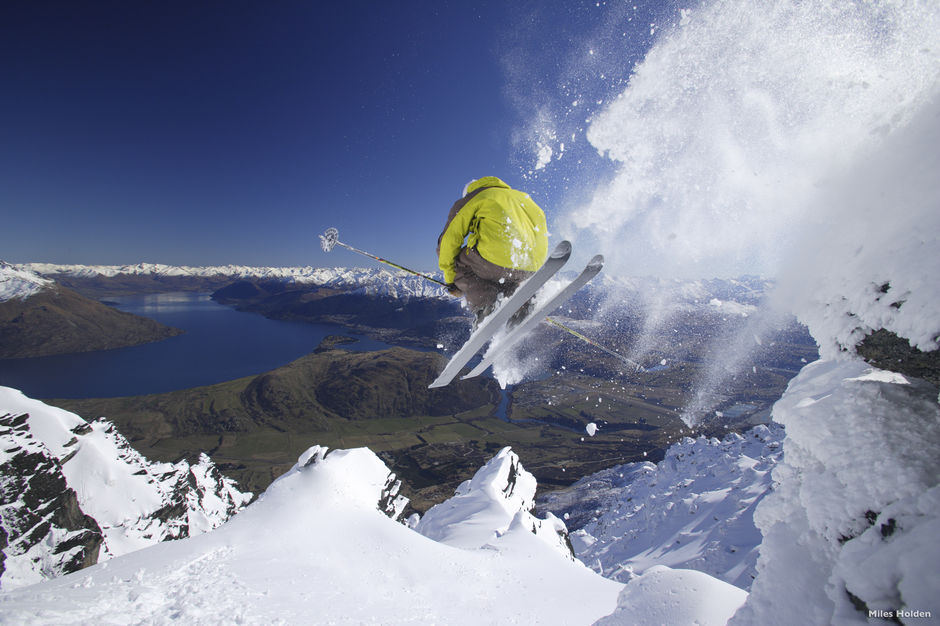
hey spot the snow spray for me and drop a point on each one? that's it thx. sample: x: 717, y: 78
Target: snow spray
x: 794, y: 140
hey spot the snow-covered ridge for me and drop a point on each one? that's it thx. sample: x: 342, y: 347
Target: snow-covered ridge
x: 131, y: 502
x: 316, y: 545
x: 19, y: 282
x: 739, y: 296
x: 496, y: 501
x: 692, y: 510
x: 394, y: 283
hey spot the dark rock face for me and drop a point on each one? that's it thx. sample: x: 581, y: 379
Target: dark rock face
x: 887, y: 351
x: 38, y: 509
x: 391, y: 502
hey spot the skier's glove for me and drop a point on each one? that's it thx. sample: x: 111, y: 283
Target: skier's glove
x: 454, y: 290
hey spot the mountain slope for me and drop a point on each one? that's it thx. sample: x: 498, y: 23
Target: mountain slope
x: 314, y: 548
x: 39, y: 318
x: 43, y: 531
x: 256, y: 426
x: 321, y: 545
x: 75, y: 493
x: 497, y: 499
x: 694, y: 509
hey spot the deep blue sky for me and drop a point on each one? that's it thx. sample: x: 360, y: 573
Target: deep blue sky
x: 206, y: 133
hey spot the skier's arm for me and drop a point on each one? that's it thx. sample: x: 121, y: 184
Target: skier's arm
x: 451, y: 241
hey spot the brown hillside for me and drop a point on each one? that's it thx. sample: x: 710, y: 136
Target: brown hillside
x: 60, y: 321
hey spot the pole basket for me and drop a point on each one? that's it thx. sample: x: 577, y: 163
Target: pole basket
x: 329, y: 239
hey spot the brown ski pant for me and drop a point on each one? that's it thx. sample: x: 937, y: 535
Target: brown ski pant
x: 482, y: 281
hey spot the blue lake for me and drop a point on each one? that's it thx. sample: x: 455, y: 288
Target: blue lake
x: 219, y: 344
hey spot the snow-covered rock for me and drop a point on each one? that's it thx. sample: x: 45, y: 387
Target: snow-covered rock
x: 43, y: 531
x: 385, y: 499
x: 693, y: 510
x: 497, y: 501
x: 852, y: 522
x: 132, y: 502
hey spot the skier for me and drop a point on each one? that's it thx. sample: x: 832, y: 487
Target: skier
x: 506, y: 241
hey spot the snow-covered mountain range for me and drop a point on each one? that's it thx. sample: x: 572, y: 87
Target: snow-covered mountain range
x: 800, y: 136
x: 394, y: 283
x: 837, y: 527
x: 739, y: 296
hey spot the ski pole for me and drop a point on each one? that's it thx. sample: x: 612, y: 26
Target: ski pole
x: 591, y: 342
x: 330, y: 238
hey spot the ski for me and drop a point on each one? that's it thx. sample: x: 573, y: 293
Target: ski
x: 498, y: 319
x: 540, y: 313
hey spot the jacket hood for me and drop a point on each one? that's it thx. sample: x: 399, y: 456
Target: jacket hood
x: 486, y: 181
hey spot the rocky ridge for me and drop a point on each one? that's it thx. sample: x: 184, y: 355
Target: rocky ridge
x: 74, y: 493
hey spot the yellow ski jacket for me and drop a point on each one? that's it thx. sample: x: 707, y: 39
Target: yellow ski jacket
x: 505, y: 226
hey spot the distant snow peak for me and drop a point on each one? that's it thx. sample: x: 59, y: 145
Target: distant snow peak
x: 491, y: 508
x: 19, y: 283
x: 369, y: 281
x: 732, y: 308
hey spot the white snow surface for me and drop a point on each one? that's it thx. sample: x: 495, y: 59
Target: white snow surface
x: 315, y: 549
x: 19, y: 283
x: 668, y: 596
